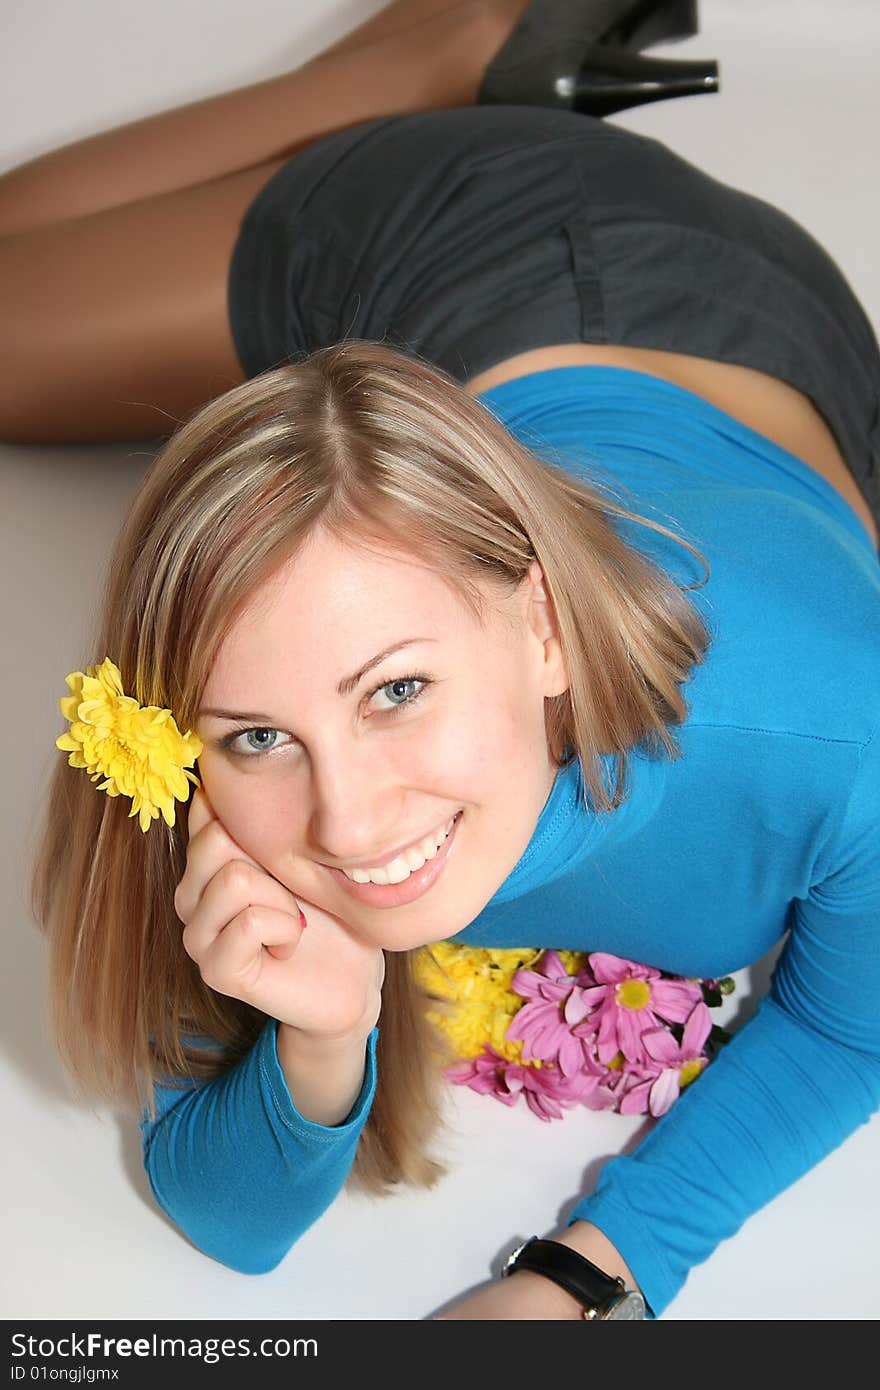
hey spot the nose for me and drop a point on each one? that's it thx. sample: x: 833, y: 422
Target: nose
x: 357, y: 802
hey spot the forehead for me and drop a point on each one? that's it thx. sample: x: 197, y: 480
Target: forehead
x: 329, y: 579
x: 338, y: 602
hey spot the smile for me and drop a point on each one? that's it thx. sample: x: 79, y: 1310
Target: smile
x: 405, y: 877
x: 399, y: 869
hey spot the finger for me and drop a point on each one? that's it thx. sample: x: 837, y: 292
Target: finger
x: 235, y: 887
x: 200, y: 812
x: 206, y: 853
x: 234, y: 958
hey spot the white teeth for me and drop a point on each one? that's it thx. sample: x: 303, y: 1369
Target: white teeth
x: 405, y: 864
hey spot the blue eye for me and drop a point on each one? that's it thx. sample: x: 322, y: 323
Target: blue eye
x: 260, y: 745
x: 404, y: 699
x: 259, y: 741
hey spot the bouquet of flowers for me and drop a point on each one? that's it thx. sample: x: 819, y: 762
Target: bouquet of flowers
x: 568, y: 1028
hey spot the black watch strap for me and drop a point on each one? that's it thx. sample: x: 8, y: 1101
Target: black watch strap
x: 573, y: 1272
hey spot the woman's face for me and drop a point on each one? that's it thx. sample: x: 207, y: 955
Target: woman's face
x: 311, y: 779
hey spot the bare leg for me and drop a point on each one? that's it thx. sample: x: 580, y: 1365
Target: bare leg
x: 114, y: 251
x: 414, y: 55
x: 116, y: 325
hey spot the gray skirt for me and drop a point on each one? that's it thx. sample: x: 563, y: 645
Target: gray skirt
x: 465, y: 236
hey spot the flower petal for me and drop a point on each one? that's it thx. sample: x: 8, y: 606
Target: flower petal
x: 527, y: 983
x: 664, y: 1091
x: 552, y: 965
x: 661, y: 1045
x: 608, y: 970
x: 635, y: 1101
x: 696, y: 1031
x: 571, y: 1055
x: 674, y: 999
x: 631, y: 1024
x: 576, y: 1007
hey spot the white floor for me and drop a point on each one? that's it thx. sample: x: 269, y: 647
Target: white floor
x: 797, y: 124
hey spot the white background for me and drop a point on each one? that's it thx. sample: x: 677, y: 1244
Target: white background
x: 796, y: 123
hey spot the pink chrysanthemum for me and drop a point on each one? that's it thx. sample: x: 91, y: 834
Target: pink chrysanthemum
x: 672, y: 1065
x: 629, y: 1000
x: 547, y: 1093
x: 544, y: 1025
x: 594, y: 1032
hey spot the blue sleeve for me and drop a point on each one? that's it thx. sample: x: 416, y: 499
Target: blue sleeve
x: 795, y: 1082
x: 238, y: 1169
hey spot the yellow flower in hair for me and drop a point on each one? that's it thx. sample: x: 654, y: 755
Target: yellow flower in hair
x: 137, y: 749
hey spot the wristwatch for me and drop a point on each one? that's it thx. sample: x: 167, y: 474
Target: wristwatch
x: 601, y: 1295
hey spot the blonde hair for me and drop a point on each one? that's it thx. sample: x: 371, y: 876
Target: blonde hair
x: 377, y: 447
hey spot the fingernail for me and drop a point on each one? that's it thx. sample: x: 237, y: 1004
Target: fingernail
x: 302, y: 919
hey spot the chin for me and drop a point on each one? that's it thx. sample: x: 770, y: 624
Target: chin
x: 401, y: 937
x: 417, y: 942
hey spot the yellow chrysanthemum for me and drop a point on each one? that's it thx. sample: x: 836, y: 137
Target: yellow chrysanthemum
x: 475, y: 983
x: 137, y: 749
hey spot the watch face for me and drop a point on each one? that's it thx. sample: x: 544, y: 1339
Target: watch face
x: 630, y: 1307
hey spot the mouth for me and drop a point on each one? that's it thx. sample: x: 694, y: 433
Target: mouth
x: 398, y: 894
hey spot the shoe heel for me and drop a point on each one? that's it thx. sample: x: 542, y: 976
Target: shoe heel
x: 610, y: 80
x: 654, y: 21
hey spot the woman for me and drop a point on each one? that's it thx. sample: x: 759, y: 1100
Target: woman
x: 303, y: 494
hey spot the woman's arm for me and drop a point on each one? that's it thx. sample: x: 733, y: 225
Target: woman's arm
x: 324, y: 1079
x: 790, y: 1087
x: 239, y: 1169
x: 527, y: 1296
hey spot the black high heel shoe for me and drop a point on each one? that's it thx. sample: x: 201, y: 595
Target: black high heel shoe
x: 583, y: 55
x: 639, y: 23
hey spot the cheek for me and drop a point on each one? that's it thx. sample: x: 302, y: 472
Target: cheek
x: 247, y: 805
x: 475, y: 753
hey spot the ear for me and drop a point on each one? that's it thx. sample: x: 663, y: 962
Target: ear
x: 541, y: 616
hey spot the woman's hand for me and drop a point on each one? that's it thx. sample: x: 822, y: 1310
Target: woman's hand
x: 530, y: 1296
x: 243, y: 930
x: 521, y: 1297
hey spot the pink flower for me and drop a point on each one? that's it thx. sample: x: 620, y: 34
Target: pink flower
x: 546, y: 1092
x: 597, y: 1092
x: 544, y: 1025
x: 630, y: 1000
x: 674, y: 1065
x: 634, y: 1091
x: 485, y: 1074
x: 602, y: 1036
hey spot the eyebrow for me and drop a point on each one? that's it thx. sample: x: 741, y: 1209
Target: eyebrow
x: 344, y: 688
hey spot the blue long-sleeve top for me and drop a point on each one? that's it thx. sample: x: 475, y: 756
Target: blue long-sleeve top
x: 768, y: 827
